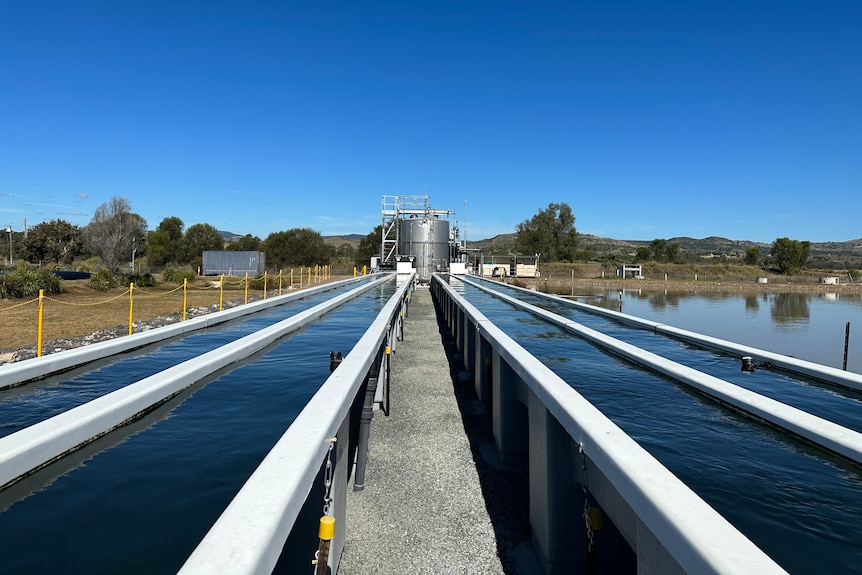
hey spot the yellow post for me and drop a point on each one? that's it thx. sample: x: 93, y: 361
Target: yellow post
x: 279, y: 281
x: 221, y: 292
x: 185, y: 297
x: 365, y: 270
x: 131, y: 304
x: 264, y: 284
x: 309, y: 276
x: 39, y: 327
x: 354, y: 271
x: 300, y: 277
x: 246, y: 287
x: 291, y: 278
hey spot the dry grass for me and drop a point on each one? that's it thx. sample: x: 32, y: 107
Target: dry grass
x: 81, y: 311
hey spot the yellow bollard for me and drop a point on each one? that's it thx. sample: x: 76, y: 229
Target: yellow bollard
x: 185, y: 297
x: 246, y: 287
x: 264, y: 285
x: 354, y: 271
x: 309, y: 277
x: 221, y: 293
x: 279, y: 281
x: 131, y: 304
x: 365, y: 270
x: 39, y: 327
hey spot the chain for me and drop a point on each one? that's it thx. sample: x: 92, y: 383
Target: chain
x: 591, y: 541
x: 327, y: 479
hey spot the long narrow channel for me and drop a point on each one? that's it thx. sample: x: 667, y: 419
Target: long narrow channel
x: 797, y: 502
x: 145, y: 498
x: 840, y: 405
x: 23, y: 406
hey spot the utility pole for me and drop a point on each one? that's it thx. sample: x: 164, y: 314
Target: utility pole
x: 9, y: 229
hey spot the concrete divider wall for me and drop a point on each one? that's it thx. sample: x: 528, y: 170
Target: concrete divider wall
x: 836, y: 438
x: 810, y: 369
x: 570, y: 445
x: 38, y: 445
x: 249, y: 535
x: 27, y: 370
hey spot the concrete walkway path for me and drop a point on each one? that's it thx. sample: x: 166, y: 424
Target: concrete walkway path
x: 436, y: 499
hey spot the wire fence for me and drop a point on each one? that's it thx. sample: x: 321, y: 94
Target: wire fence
x: 146, y: 302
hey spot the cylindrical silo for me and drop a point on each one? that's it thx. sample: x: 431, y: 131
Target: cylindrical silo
x: 426, y: 239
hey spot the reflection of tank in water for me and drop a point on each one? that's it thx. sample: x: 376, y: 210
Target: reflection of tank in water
x: 426, y: 239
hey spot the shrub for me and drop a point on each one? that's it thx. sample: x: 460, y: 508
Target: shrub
x: 178, y: 276
x: 103, y: 280
x: 26, y: 281
x: 140, y: 280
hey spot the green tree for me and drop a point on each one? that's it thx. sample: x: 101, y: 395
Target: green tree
x: 658, y: 250
x: 752, y: 256
x: 247, y: 243
x: 200, y: 238
x: 672, y: 253
x: 610, y: 261
x: 56, y: 241
x: 551, y: 233
x: 369, y: 246
x: 297, y: 246
x: 165, y: 243
x: 643, y: 254
x: 790, y: 256
x: 114, y: 232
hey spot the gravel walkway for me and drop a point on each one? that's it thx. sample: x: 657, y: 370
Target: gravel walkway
x: 436, y: 499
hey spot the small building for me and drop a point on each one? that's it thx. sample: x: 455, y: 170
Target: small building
x: 216, y: 263
x: 627, y: 271
x: 508, y: 266
x: 830, y: 280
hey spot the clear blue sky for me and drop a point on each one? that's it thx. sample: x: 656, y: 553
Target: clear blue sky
x: 659, y: 119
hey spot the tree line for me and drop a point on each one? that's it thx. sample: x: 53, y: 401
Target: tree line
x: 116, y: 236
x: 551, y: 235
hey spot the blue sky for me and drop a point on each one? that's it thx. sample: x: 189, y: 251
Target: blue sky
x: 740, y: 119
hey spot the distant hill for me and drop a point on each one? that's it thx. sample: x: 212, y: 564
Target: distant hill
x: 229, y: 236
x: 823, y: 254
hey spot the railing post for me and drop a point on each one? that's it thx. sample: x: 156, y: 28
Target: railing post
x: 39, y: 325
x: 131, y: 304
x: 185, y: 297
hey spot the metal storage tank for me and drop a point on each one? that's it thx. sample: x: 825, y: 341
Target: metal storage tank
x: 426, y: 238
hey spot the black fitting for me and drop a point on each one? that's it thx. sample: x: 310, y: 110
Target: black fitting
x: 334, y: 360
